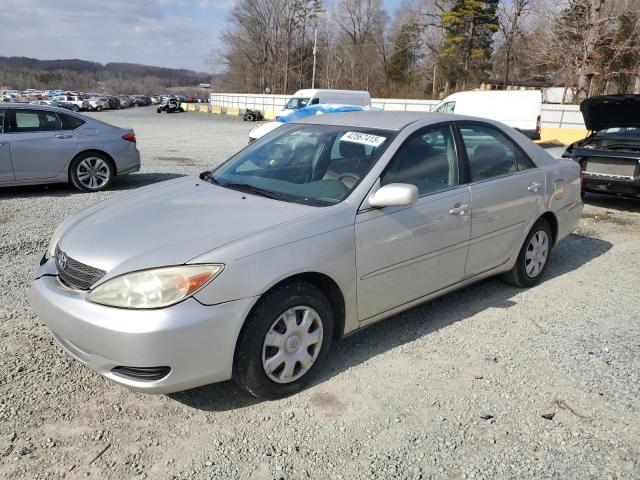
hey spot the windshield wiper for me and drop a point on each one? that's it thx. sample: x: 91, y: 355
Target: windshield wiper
x: 253, y: 189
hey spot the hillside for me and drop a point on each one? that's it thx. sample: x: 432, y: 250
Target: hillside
x: 73, y: 74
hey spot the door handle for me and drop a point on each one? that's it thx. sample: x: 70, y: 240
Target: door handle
x: 534, y: 186
x: 459, y: 209
x: 62, y: 136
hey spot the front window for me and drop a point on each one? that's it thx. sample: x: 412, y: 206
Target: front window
x: 310, y: 164
x: 296, y: 103
x: 448, y: 107
x: 427, y: 160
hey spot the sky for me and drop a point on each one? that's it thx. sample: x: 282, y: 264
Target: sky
x: 166, y: 33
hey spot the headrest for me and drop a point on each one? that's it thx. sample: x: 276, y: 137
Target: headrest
x: 489, y: 152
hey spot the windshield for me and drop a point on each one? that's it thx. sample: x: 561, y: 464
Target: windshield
x: 310, y: 164
x: 296, y: 102
x: 622, y: 131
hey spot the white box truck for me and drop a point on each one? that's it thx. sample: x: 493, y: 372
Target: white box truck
x: 520, y: 109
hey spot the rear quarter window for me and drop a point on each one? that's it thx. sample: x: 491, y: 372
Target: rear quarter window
x: 69, y: 122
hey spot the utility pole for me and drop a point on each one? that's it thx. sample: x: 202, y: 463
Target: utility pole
x: 315, y: 51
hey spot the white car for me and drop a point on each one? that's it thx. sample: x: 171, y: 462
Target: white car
x: 77, y: 100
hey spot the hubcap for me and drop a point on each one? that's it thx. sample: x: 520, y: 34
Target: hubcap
x: 537, y: 252
x: 93, y: 172
x: 292, y: 344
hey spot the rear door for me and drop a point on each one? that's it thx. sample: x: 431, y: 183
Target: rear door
x: 507, y: 192
x: 40, y: 148
x: 6, y: 170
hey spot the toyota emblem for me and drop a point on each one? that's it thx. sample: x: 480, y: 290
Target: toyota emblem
x: 62, y: 260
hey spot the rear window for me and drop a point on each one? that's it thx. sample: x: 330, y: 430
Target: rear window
x: 69, y: 122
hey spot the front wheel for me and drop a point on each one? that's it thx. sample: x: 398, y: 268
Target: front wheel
x: 533, y: 257
x: 91, y: 172
x: 284, y: 341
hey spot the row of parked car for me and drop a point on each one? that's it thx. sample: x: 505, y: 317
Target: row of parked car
x: 76, y: 101
x: 94, y: 102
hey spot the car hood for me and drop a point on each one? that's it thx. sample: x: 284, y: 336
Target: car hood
x: 170, y: 226
x: 611, y: 111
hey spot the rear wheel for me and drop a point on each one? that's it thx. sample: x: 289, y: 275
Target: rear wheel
x: 91, y: 172
x: 533, y: 257
x: 284, y: 341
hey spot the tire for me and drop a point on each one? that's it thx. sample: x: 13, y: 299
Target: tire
x: 100, y: 180
x: 75, y: 108
x: 524, y: 274
x: 290, y: 301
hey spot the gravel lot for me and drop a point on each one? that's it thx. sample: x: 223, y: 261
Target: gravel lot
x: 488, y: 382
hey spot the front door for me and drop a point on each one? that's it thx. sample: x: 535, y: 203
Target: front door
x: 405, y: 253
x: 507, y: 190
x: 40, y: 148
x: 6, y: 170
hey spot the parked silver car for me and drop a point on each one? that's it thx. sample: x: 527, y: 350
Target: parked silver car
x: 41, y: 144
x: 320, y: 228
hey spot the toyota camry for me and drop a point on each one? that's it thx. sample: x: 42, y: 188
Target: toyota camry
x: 324, y: 226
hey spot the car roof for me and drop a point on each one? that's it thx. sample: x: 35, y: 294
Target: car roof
x: 34, y: 106
x: 395, y: 121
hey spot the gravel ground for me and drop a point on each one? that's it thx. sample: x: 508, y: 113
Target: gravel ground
x: 488, y: 382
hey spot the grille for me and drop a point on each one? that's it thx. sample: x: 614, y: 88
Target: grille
x: 612, y: 166
x: 76, y: 274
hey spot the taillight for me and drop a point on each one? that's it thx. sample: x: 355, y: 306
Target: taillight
x: 129, y: 137
x: 539, y: 124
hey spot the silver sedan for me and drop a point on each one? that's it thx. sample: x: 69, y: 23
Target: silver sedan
x: 41, y: 144
x: 318, y: 229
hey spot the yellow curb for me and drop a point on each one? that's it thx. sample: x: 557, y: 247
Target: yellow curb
x: 561, y: 136
x: 233, y: 111
x: 203, y: 108
x: 269, y: 115
x: 216, y: 109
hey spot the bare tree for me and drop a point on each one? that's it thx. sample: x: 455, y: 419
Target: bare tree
x: 512, y: 18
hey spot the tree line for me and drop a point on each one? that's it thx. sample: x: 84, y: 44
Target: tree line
x: 23, y: 72
x: 429, y: 48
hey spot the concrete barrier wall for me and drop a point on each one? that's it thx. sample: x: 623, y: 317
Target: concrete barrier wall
x: 553, y: 115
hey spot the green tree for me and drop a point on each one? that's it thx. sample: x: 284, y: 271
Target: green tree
x: 406, y: 53
x: 469, y: 26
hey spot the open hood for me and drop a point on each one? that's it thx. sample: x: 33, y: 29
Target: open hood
x: 611, y: 111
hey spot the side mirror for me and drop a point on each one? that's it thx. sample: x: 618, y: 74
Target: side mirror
x: 394, y: 195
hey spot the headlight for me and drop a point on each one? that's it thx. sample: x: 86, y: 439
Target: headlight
x: 156, y: 288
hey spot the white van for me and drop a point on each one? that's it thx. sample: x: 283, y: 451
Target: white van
x: 303, y: 98
x: 520, y: 109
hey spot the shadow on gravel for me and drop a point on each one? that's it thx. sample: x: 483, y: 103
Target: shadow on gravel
x: 613, y: 202
x: 126, y: 182
x: 569, y: 255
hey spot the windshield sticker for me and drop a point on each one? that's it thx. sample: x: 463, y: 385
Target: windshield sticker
x: 363, y: 138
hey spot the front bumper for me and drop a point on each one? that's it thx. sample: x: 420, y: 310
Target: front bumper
x: 196, y: 341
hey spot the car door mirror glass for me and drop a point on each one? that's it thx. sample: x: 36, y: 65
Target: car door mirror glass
x: 394, y: 195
